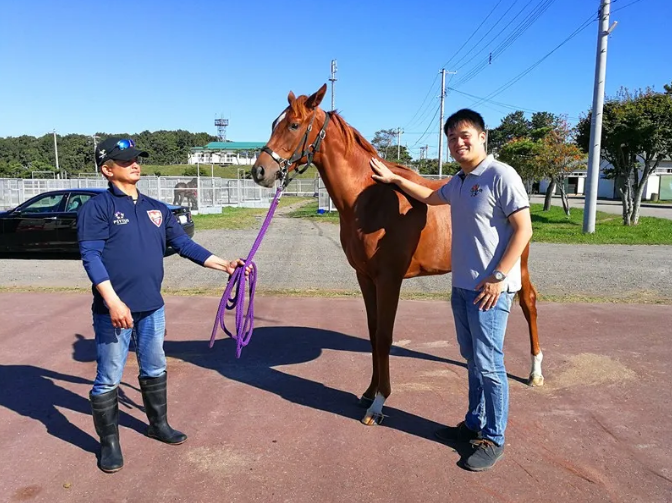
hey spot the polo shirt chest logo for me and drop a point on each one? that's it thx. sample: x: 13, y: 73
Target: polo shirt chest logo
x: 119, y: 219
x: 476, y: 190
x: 155, y: 216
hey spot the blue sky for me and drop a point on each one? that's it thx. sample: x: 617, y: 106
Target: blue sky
x: 83, y: 67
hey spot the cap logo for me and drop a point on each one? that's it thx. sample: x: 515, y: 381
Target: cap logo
x: 102, y: 153
x: 155, y: 216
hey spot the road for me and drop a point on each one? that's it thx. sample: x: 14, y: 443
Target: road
x: 299, y: 254
x: 615, y: 207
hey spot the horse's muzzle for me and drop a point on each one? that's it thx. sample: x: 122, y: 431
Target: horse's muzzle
x: 258, y: 173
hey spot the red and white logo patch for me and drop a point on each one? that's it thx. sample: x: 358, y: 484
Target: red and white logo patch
x: 155, y: 216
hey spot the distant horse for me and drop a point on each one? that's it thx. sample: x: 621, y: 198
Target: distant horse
x: 186, y: 191
x: 386, y: 235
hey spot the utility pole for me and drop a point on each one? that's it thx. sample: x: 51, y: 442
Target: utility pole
x: 58, y: 169
x: 399, y: 131
x: 594, y: 155
x: 443, y: 96
x: 333, y: 79
x: 95, y: 144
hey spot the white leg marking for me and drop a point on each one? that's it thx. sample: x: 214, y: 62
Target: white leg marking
x: 374, y: 414
x: 536, y: 377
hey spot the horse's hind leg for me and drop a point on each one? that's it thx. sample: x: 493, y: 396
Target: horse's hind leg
x: 528, y: 302
x: 368, y: 288
x: 387, y: 301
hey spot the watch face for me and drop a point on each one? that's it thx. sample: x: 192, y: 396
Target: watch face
x: 499, y: 276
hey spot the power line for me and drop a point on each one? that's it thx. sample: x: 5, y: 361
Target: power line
x: 511, y: 82
x: 499, y: 103
x: 493, y: 102
x: 518, y: 31
x: 476, y: 31
x: 523, y: 26
x: 431, y: 88
x: 428, y: 126
x: 625, y: 6
x: 492, y: 28
x: 581, y: 27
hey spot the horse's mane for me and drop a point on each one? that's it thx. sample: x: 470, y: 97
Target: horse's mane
x: 351, y: 136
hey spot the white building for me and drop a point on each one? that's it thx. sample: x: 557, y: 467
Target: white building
x: 659, y: 183
x: 575, y: 183
x: 242, y: 153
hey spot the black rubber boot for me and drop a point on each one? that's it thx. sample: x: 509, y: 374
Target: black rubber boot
x: 154, y: 396
x: 105, y: 409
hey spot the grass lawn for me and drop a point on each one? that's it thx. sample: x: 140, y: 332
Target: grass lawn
x: 240, y: 218
x: 549, y: 227
x: 554, y: 227
x: 310, y: 211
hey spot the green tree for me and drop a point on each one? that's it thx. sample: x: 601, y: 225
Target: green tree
x: 668, y: 88
x: 431, y: 167
x: 636, y: 136
x: 514, y: 125
x: 385, y: 142
x: 20, y: 155
x: 521, y: 154
x: 558, y: 155
x: 544, y: 120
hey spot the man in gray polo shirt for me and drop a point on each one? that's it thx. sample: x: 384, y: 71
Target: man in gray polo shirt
x: 491, y: 226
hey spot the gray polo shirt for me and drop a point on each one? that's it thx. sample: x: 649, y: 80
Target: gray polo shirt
x: 481, y: 203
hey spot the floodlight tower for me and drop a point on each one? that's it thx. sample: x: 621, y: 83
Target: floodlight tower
x: 221, y: 125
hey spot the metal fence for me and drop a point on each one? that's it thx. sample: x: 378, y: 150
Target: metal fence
x: 201, y: 194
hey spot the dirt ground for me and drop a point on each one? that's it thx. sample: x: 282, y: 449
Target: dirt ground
x: 282, y: 422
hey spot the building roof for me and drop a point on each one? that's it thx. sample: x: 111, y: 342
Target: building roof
x: 231, y: 145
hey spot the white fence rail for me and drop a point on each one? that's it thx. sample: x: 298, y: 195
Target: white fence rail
x: 203, y: 194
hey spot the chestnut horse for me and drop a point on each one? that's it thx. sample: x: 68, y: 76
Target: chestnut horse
x: 386, y: 235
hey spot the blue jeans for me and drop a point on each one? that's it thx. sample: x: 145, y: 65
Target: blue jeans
x: 112, y: 344
x: 480, y: 335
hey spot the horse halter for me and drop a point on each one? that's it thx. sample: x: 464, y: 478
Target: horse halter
x: 308, y: 152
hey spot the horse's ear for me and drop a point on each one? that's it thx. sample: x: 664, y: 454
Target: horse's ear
x: 315, y: 99
x: 291, y: 97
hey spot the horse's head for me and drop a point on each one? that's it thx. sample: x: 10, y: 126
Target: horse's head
x: 293, y: 139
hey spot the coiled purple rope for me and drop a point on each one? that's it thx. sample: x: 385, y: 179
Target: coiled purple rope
x: 244, y: 321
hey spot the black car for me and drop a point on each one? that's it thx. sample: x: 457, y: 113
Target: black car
x: 47, y: 223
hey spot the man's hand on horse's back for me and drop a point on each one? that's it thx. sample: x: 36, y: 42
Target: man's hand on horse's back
x: 382, y: 173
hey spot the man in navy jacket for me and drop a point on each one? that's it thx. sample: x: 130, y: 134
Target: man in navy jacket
x: 122, y: 239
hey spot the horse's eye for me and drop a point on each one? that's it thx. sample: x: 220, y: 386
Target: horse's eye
x: 294, y: 126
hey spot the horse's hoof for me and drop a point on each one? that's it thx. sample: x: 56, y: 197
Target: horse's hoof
x: 536, y: 380
x: 365, y: 402
x: 372, y: 419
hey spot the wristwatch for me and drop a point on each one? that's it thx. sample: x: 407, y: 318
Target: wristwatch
x: 499, y: 275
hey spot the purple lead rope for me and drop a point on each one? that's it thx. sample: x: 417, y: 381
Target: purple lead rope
x: 244, y: 322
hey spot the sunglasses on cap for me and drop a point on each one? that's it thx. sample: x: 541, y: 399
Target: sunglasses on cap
x: 124, y: 144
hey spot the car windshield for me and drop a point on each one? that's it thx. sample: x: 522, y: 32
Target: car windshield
x: 47, y: 204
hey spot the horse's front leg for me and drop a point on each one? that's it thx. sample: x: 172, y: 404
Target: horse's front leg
x: 368, y: 288
x: 387, y: 301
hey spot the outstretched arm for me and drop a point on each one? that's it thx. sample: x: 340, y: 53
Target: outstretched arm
x: 423, y: 194
x: 228, y: 266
